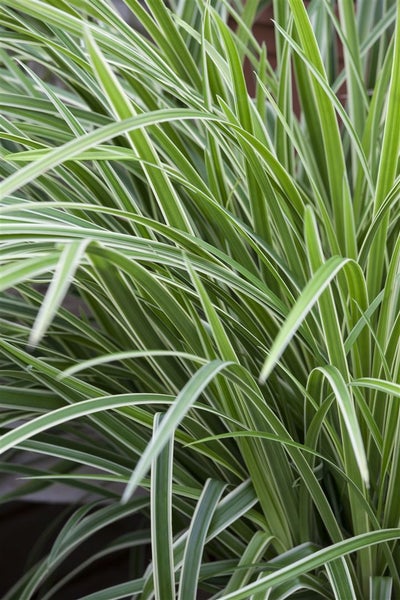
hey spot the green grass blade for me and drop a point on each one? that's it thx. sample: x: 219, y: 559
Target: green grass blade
x: 388, y: 165
x: 340, y: 580
x: 185, y: 399
x: 161, y: 520
x: 347, y: 409
x: 90, y: 140
x: 19, y: 271
x: 253, y: 555
x: 70, y: 260
x: 117, y: 592
x: 316, y: 560
x: 317, y: 284
x: 197, y: 534
x: 74, y: 411
x: 333, y: 149
x: 381, y: 588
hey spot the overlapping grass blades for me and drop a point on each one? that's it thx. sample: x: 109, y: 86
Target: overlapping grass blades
x: 235, y: 264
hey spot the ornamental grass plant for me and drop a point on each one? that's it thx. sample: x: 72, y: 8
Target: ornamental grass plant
x: 234, y: 361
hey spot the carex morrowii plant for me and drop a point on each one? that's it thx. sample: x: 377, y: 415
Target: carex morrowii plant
x: 233, y: 363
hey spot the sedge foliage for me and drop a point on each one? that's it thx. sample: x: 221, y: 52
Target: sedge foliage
x: 236, y: 264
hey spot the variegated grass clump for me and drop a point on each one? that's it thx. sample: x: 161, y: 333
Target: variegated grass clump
x: 236, y: 267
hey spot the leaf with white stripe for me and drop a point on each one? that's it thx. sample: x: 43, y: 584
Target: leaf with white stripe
x: 65, y: 270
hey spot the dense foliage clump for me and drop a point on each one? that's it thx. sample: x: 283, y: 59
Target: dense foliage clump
x: 232, y: 264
